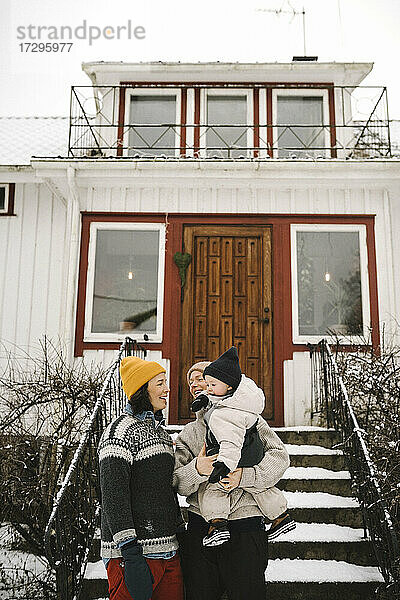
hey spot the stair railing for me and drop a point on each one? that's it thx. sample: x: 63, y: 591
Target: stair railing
x: 75, y: 514
x: 330, y: 399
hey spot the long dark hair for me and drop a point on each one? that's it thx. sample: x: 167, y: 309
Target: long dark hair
x: 140, y: 400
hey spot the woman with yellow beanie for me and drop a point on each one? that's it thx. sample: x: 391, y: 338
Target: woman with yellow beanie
x: 139, y: 509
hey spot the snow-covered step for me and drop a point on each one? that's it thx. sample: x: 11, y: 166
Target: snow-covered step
x: 320, y: 579
x: 314, y: 436
x: 308, y: 435
x: 320, y: 507
x: 294, y: 579
x: 320, y: 571
x: 307, y: 455
x: 325, y: 541
x: 316, y: 479
x: 95, y: 584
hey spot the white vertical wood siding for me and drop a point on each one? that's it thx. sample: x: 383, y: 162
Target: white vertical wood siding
x: 31, y: 259
x: 32, y: 248
x: 252, y: 196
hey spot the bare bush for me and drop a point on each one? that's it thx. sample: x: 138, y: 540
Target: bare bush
x: 44, y: 402
x: 372, y: 379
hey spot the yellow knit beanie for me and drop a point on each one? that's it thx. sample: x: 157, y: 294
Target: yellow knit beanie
x: 135, y: 372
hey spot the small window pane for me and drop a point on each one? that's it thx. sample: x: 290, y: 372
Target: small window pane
x: 300, y: 141
x: 2, y: 198
x: 125, y: 281
x: 229, y: 110
x: 329, y: 283
x: 151, y: 111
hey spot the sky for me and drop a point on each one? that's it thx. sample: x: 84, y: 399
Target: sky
x: 38, y: 83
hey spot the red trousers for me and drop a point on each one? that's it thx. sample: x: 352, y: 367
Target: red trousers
x: 167, y: 574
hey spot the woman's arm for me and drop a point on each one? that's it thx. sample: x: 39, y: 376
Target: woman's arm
x: 273, y: 464
x: 115, y: 474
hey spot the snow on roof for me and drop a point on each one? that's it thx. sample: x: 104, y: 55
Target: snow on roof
x: 24, y: 137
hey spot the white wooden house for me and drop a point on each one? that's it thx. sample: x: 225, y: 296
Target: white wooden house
x: 277, y: 180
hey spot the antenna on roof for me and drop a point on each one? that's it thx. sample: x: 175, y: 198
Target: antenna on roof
x: 289, y: 10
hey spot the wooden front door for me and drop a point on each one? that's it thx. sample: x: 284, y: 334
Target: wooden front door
x: 227, y: 301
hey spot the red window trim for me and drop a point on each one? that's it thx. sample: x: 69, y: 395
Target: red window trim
x: 256, y: 86
x: 10, y: 201
x: 282, y: 286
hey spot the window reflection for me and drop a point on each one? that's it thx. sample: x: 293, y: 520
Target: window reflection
x: 329, y: 283
x: 300, y: 141
x: 159, y: 114
x: 125, y: 281
x: 226, y: 141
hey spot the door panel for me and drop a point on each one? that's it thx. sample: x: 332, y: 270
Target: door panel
x: 227, y: 290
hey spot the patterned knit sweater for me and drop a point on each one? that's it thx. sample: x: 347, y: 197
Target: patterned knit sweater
x: 137, y: 499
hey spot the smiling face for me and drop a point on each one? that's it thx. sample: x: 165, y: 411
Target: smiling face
x: 215, y: 387
x: 158, y: 392
x: 197, y: 383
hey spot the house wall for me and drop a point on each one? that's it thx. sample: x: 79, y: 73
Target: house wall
x: 34, y: 245
x: 256, y: 195
x: 32, y: 259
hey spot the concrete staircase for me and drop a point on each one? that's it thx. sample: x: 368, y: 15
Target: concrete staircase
x: 326, y: 556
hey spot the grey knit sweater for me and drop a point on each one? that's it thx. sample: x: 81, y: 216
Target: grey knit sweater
x: 263, y: 475
x: 137, y: 498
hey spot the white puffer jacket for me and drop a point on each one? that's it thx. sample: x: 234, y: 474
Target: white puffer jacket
x: 231, y: 417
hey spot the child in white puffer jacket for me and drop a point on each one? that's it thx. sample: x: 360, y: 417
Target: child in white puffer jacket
x: 234, y: 403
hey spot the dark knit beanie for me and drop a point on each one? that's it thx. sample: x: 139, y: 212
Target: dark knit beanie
x: 226, y: 368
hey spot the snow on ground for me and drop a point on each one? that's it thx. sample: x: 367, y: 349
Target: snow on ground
x: 307, y: 450
x: 321, y: 532
x: 16, y: 559
x: 319, y: 500
x: 320, y: 571
x: 314, y: 473
x: 96, y: 570
x: 290, y: 570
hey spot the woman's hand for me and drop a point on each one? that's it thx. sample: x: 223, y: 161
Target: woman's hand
x: 232, y: 480
x: 204, y: 464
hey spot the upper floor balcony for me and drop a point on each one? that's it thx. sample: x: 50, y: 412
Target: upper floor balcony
x: 229, y: 120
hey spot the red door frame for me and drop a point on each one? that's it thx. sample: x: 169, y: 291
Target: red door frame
x: 283, y: 346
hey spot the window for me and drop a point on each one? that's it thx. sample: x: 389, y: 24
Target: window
x: 153, y: 119
x: 4, y: 199
x: 226, y: 132
x: 301, y: 119
x: 330, y: 281
x: 125, y: 281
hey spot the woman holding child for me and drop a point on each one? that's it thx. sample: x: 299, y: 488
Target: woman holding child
x: 225, y: 546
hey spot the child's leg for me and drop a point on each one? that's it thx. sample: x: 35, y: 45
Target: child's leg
x: 214, y: 505
x: 214, y: 502
x: 271, y: 501
x: 273, y: 505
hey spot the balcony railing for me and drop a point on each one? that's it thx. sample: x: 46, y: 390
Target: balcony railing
x: 357, y: 126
